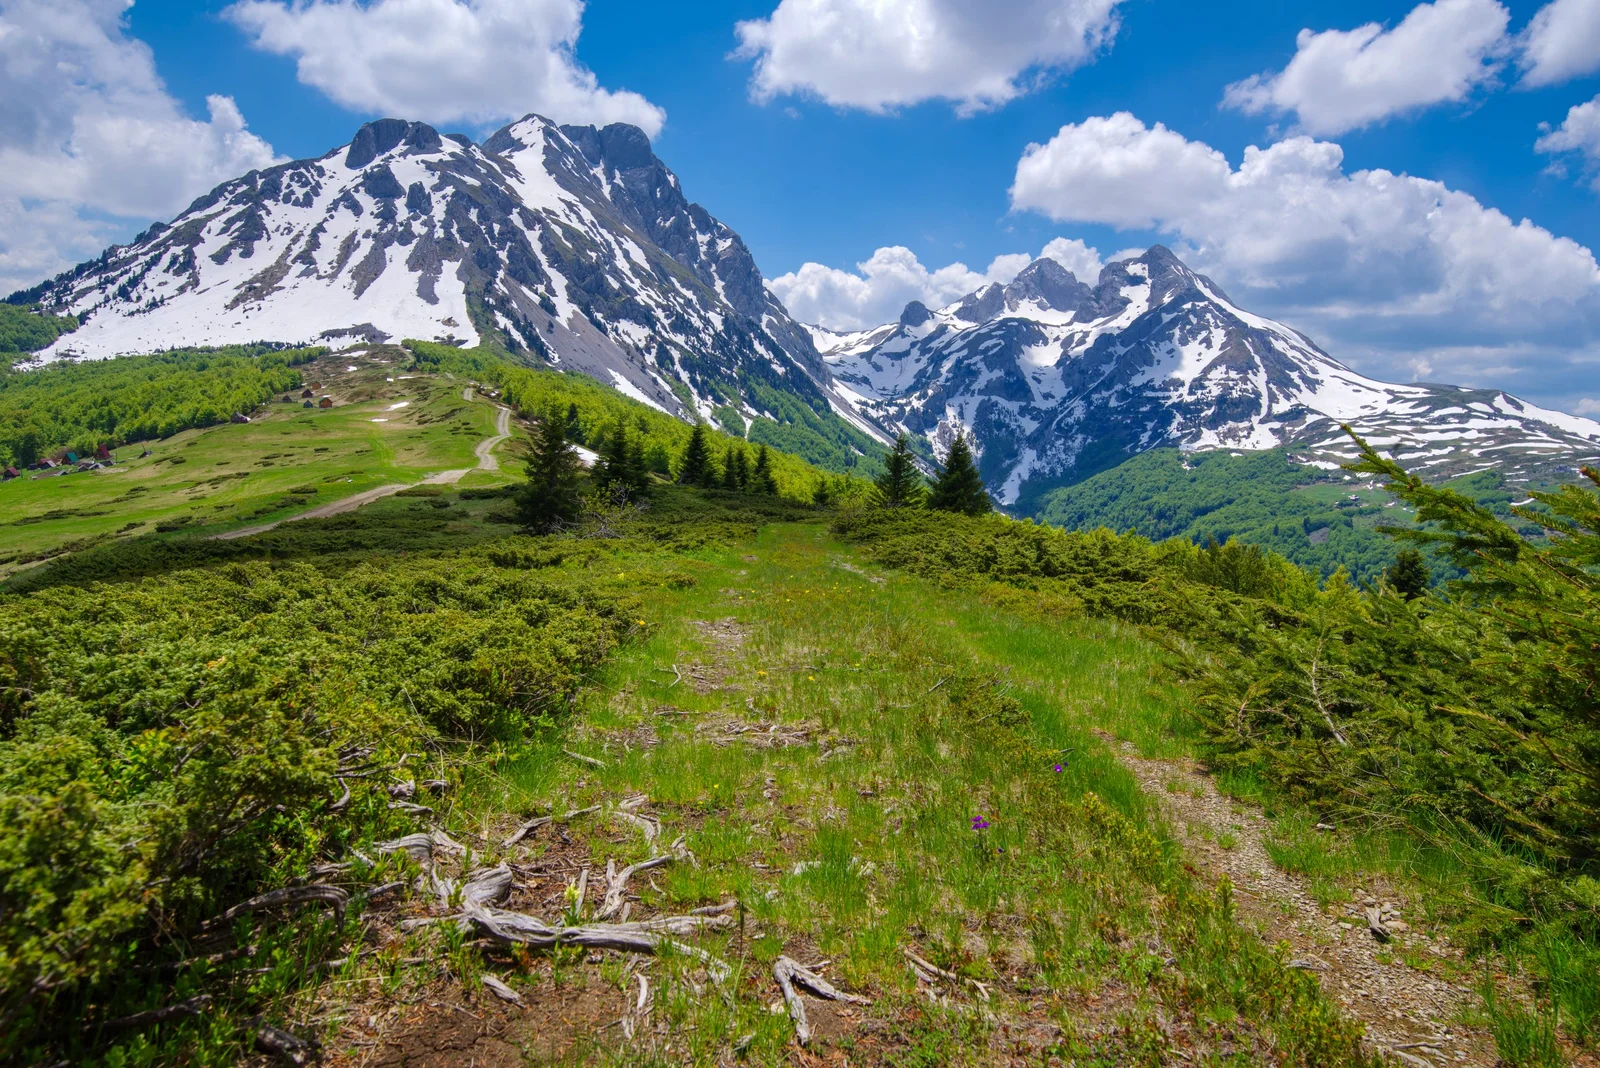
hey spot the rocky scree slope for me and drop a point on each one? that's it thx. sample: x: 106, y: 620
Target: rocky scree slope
x: 1056, y: 380
x: 572, y: 246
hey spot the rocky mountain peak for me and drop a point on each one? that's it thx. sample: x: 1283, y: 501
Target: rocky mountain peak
x: 983, y: 305
x: 620, y: 146
x: 915, y: 315
x: 1047, y: 284
x: 385, y: 135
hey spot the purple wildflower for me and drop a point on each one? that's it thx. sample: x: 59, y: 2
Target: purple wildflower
x: 1058, y: 769
x: 979, y: 823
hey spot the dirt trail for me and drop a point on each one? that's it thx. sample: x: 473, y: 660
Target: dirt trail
x: 486, y: 462
x: 1412, y: 1015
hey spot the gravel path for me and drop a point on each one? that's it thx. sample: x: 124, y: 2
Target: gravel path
x: 486, y: 462
x: 1414, y: 1015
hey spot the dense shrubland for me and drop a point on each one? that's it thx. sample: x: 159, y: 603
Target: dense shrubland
x: 170, y: 747
x: 137, y: 398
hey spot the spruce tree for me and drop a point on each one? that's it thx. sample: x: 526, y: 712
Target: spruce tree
x: 959, y: 487
x: 730, y: 469
x: 822, y: 496
x: 900, y: 486
x: 695, y: 468
x: 744, y: 470
x: 1409, y: 574
x: 638, y: 468
x: 761, y: 480
x: 550, y: 497
x: 612, y: 468
x: 621, y: 464
x: 574, y: 427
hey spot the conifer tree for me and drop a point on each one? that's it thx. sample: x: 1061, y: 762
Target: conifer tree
x: 744, y: 470
x: 1409, y: 574
x: 550, y: 497
x: 730, y: 468
x: 574, y: 427
x: 822, y: 496
x: 611, y: 469
x: 621, y: 464
x: 695, y: 468
x: 638, y: 468
x: 900, y: 486
x: 761, y: 480
x: 959, y: 487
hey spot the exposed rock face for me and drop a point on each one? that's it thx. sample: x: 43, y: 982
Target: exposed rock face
x: 1056, y: 381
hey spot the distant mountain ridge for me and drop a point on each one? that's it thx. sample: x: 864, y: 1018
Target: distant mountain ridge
x: 573, y: 246
x: 1057, y: 380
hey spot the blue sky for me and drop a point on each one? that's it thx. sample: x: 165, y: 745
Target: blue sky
x: 827, y: 157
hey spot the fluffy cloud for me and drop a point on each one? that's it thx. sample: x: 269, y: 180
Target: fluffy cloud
x: 1341, y: 80
x: 1373, y: 262
x: 882, y: 54
x: 92, y: 142
x: 444, y: 60
x: 1580, y: 134
x: 1562, y: 42
x: 880, y: 287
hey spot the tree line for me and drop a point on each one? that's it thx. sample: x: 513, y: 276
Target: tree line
x: 80, y: 406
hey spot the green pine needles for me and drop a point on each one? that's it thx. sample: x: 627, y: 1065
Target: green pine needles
x: 695, y: 468
x: 959, y: 487
x: 900, y: 485
x: 552, y: 495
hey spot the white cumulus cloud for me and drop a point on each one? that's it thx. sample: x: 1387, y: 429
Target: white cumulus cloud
x: 478, y: 61
x: 91, y: 143
x: 1562, y: 42
x: 883, y: 54
x: 1579, y: 134
x: 878, y: 290
x: 1370, y: 261
x: 1342, y: 80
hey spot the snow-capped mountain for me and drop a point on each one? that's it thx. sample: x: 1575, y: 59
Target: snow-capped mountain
x: 570, y: 244
x: 1055, y: 381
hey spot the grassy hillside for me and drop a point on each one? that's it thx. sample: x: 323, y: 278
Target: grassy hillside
x: 288, y: 460
x: 822, y: 440
x: 80, y: 406
x: 1320, y: 520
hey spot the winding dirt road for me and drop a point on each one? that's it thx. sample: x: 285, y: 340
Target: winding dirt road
x: 487, y: 461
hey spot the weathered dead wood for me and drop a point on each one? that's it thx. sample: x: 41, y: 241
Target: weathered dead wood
x: 403, y: 791
x: 790, y: 974
x: 1376, y: 925
x: 487, y: 887
x: 580, y: 758
x: 408, y: 807
x: 501, y: 990
x: 423, y: 845
x: 540, y: 821
x: 288, y: 1048
x: 619, y: 885
x: 344, y: 799
x: 928, y: 972
x: 516, y: 928
x: 194, y: 1006
x: 289, y: 895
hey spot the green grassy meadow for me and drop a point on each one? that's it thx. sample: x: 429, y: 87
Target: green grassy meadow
x: 286, y: 461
